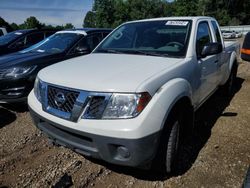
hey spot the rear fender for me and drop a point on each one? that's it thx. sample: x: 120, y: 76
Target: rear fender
x: 233, y: 59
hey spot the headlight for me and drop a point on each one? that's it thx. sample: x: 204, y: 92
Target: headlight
x: 16, y: 72
x: 125, y: 105
x: 37, y: 88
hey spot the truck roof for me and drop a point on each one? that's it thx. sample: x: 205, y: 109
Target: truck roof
x: 194, y: 18
x: 85, y: 31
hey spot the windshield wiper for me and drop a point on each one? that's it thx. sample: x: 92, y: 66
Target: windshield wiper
x: 110, y: 51
x: 146, y: 53
x: 124, y: 51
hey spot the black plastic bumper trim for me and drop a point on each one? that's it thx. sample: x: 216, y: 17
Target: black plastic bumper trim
x: 141, y: 150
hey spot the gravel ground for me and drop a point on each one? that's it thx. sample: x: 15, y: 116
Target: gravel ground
x: 218, y: 155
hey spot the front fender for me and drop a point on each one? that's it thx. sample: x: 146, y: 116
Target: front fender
x: 171, y: 92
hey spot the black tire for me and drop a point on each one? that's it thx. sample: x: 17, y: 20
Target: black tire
x: 172, y: 148
x: 166, y: 160
x: 229, y: 86
x: 246, y: 183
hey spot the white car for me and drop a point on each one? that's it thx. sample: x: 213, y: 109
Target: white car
x: 131, y: 102
x: 228, y: 34
x: 238, y: 34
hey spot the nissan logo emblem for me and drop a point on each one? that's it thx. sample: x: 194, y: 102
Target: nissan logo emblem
x: 59, y: 99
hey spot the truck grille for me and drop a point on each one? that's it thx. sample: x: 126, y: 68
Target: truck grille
x: 72, y: 104
x: 61, y: 99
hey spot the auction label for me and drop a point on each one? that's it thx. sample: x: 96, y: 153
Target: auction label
x: 179, y: 23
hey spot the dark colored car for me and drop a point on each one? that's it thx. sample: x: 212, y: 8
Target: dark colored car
x: 21, y: 39
x: 18, y: 70
x: 245, y: 50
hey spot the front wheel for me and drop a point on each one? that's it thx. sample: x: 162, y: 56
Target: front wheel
x: 172, y: 147
x: 166, y: 160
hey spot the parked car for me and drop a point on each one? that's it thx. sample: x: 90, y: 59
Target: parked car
x: 21, y: 39
x: 245, y: 50
x: 238, y: 34
x: 228, y: 34
x: 3, y: 31
x: 131, y: 101
x: 18, y: 70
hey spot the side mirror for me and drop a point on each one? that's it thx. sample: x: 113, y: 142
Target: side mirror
x: 211, y: 49
x: 82, y: 50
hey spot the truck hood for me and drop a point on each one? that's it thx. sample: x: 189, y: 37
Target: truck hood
x: 106, y: 72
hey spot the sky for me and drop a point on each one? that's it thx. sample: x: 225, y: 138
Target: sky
x: 54, y: 12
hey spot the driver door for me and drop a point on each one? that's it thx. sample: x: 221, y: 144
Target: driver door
x: 208, y: 65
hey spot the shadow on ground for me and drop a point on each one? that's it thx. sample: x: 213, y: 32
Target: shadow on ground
x: 16, y: 107
x: 6, y: 117
x: 8, y: 112
x: 206, y: 117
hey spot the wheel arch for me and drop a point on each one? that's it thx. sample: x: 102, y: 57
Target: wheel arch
x: 176, y: 94
x: 233, y: 61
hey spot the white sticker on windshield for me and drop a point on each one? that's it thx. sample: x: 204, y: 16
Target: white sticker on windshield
x: 179, y: 23
x: 18, y: 33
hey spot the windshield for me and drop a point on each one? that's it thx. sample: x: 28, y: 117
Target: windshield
x: 156, y: 38
x: 56, y: 43
x: 5, y: 39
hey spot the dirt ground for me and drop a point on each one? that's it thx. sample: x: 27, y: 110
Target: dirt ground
x: 217, y: 156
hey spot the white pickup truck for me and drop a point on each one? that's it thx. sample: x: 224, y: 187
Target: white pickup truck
x: 131, y: 101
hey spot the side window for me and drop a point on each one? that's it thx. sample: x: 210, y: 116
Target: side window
x: 20, y: 44
x: 217, y: 31
x: 89, y: 42
x: 28, y: 40
x: 93, y: 40
x: 203, y: 37
x: 34, y: 38
x: 1, y: 32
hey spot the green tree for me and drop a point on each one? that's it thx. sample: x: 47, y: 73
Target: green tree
x: 104, y: 11
x: 89, y: 20
x: 110, y: 13
x: 69, y: 26
x: 14, y: 26
x: 186, y: 8
x: 32, y: 22
x: 5, y: 24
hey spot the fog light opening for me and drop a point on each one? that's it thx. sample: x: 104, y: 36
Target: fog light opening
x: 123, y: 152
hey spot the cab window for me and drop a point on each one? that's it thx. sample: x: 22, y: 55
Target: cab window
x: 203, y: 37
x: 28, y: 40
x: 89, y: 42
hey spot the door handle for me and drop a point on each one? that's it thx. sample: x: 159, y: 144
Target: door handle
x: 216, y: 61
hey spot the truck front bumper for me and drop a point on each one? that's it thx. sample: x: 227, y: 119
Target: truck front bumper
x: 128, y: 152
